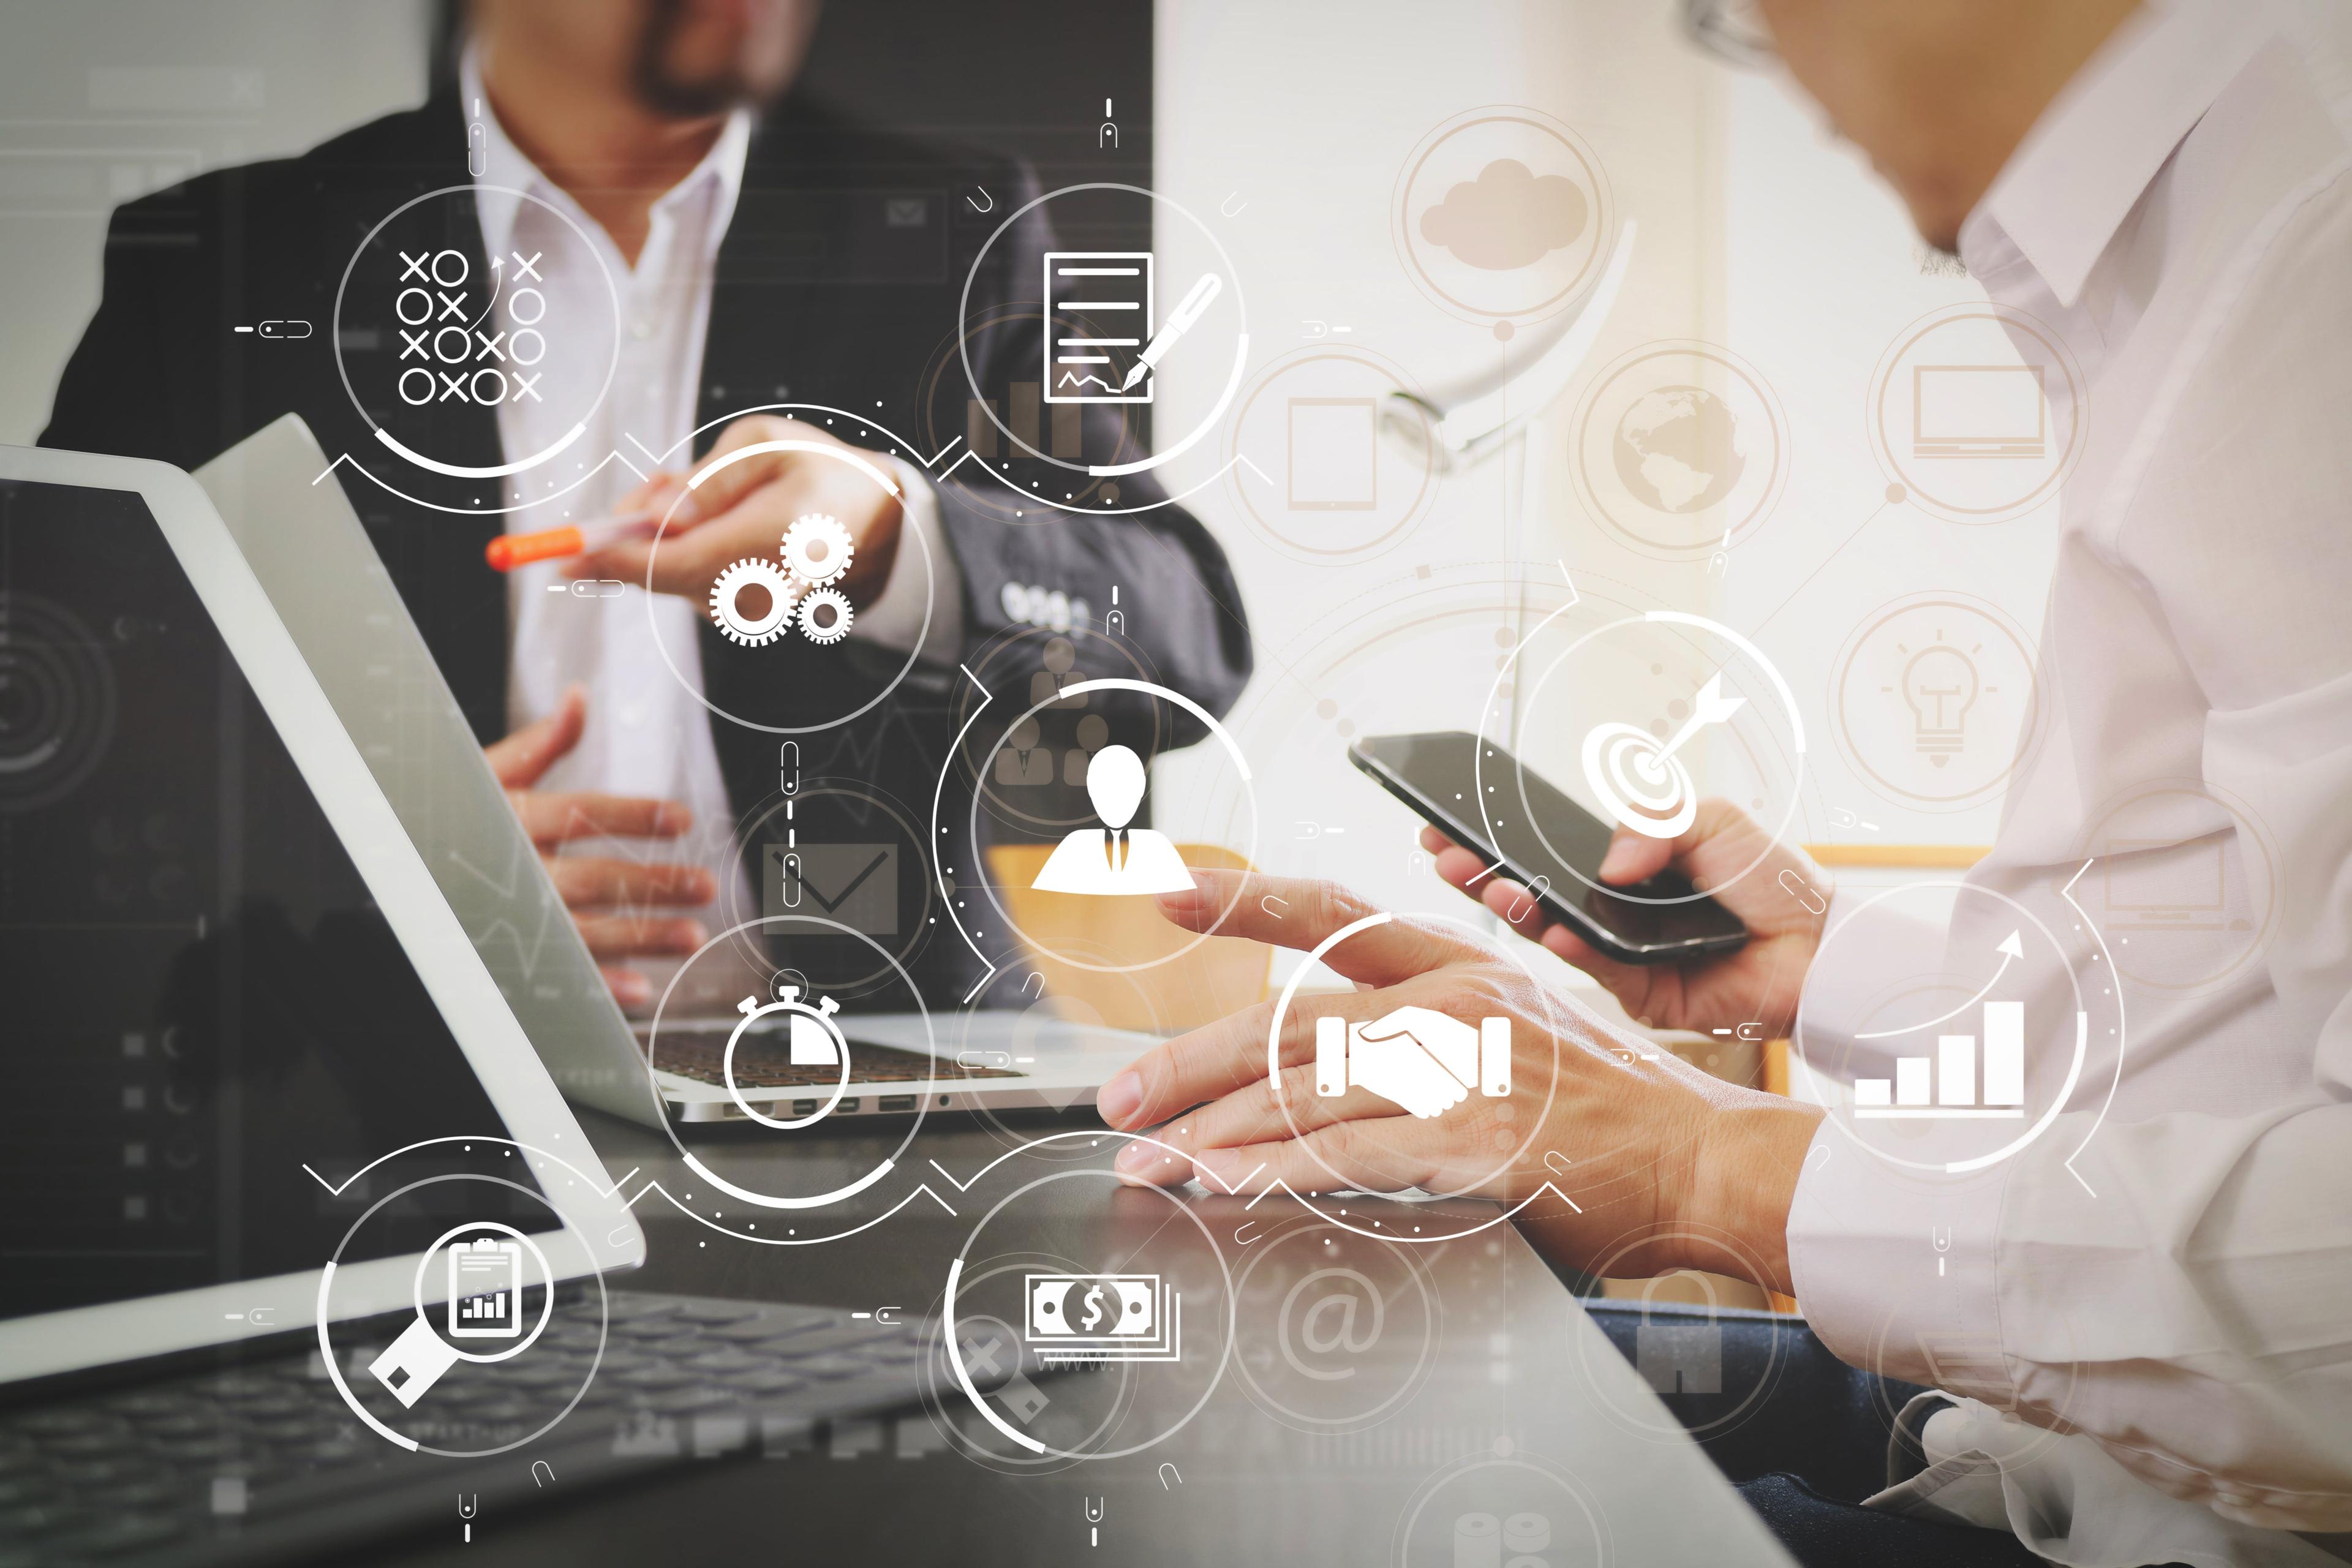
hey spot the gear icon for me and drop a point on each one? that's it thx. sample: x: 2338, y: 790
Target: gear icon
x: 818, y: 548
x: 830, y: 629
x: 750, y: 631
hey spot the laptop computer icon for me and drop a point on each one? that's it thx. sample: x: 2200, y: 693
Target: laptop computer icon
x: 1978, y: 411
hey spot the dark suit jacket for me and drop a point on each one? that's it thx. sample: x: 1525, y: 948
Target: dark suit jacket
x: 826, y: 293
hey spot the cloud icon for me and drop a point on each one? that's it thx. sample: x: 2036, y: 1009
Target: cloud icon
x: 1508, y: 217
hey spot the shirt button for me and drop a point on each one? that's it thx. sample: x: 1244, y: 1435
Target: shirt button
x: 641, y: 330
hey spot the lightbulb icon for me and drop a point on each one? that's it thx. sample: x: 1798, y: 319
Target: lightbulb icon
x: 1939, y: 685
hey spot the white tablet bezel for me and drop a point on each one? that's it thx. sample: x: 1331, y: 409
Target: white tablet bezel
x: 600, y: 1232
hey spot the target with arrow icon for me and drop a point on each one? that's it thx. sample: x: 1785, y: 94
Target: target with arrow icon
x: 1640, y: 780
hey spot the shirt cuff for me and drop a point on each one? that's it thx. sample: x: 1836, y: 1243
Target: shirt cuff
x: 895, y: 619
x: 1894, y: 1268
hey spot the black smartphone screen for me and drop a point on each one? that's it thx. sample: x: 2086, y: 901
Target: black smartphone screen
x: 1438, y: 775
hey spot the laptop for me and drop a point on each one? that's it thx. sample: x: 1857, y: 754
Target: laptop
x: 273, y: 1071
x: 315, y: 561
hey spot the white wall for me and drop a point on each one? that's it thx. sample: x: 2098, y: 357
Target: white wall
x: 108, y: 99
x: 1756, y: 234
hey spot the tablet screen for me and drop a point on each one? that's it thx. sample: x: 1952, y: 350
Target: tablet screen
x: 198, y: 997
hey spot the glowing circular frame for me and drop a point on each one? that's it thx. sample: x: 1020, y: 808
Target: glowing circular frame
x: 2057, y: 1101
x: 495, y: 470
x: 1672, y: 617
x: 546, y: 1307
x: 1077, y: 688
x: 763, y: 1200
x: 1432, y: 1310
x: 325, y: 1322
x: 1105, y: 470
x: 963, y: 1375
x: 838, y: 454
x: 1273, y: 1067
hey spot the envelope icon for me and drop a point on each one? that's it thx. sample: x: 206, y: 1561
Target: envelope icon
x: 905, y: 212
x: 856, y: 884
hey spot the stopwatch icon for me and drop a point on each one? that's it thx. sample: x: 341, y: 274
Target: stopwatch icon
x: 813, y: 1040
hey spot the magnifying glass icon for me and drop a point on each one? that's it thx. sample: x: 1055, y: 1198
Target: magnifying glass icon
x: 484, y: 1304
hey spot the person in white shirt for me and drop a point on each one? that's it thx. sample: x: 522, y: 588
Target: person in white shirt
x: 2163, y: 1279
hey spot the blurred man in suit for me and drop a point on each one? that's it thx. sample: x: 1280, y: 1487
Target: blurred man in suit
x: 650, y: 163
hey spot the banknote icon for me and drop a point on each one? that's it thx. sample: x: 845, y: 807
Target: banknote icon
x: 1102, y: 1317
x: 1105, y: 1305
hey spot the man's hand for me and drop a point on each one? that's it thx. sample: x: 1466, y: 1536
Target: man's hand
x: 1760, y: 983
x: 1654, y: 1148
x: 603, y: 894
x: 743, y: 510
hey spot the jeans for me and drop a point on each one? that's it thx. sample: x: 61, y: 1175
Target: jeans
x: 1807, y: 1449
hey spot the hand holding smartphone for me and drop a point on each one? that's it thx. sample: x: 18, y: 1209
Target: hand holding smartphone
x: 1551, y: 844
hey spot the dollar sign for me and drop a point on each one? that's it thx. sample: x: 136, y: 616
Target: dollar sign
x: 1093, y: 1308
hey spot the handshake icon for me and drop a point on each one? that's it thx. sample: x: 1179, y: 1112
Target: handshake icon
x: 1414, y: 1057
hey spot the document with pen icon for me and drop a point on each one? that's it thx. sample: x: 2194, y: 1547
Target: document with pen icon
x: 1098, y: 318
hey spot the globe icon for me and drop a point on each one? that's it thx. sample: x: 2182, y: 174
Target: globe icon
x: 1677, y: 448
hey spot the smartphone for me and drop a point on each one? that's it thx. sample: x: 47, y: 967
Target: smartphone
x: 1438, y: 775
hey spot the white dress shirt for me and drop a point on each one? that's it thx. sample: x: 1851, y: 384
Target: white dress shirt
x: 2182, y: 216
x: 647, y: 733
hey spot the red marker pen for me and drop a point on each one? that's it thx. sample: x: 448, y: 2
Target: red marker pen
x: 508, y: 551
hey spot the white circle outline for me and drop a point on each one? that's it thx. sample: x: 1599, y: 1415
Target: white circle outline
x: 763, y: 1200
x: 840, y: 454
x: 325, y: 1322
x: 1117, y: 683
x: 1736, y: 531
x: 1433, y: 1314
x: 1428, y: 1489
x: 1273, y: 1066
x: 2057, y: 1102
x: 955, y: 1351
x: 1882, y: 376
x: 1604, y: 204
x: 1105, y: 470
x: 546, y: 1305
x: 1403, y: 389
x: 2038, y: 721
x: 1675, y: 617
x: 612, y: 362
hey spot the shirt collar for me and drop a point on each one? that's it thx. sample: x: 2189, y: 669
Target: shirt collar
x: 505, y: 171
x: 2084, y: 166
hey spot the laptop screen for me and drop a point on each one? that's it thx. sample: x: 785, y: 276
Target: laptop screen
x: 198, y: 998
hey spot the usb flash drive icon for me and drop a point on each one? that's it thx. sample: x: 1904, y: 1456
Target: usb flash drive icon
x: 413, y: 1363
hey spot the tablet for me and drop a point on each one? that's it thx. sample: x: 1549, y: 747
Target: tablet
x: 232, y: 991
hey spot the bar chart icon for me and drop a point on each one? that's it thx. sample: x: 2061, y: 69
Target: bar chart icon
x: 1946, y: 1086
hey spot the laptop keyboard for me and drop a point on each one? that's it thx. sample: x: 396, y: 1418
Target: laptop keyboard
x: 763, y: 1060
x: 268, y: 1459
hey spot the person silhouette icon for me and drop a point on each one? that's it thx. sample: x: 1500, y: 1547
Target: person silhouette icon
x: 1114, y: 859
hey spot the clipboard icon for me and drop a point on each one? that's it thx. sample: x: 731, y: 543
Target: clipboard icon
x: 485, y: 1290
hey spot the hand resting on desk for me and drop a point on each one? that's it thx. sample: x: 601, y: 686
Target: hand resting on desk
x: 1654, y: 1147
